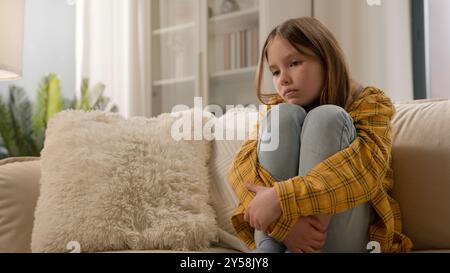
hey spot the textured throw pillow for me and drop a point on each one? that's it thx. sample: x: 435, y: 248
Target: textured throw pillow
x: 110, y: 183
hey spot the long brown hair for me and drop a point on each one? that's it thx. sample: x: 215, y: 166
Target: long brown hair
x: 309, y: 33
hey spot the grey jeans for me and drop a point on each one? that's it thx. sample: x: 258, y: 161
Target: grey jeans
x: 306, y: 139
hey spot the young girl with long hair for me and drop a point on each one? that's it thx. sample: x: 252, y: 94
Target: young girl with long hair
x: 326, y: 186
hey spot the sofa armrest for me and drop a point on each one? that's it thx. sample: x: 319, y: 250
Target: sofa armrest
x: 19, y: 190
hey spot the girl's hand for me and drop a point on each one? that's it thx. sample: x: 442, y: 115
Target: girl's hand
x: 308, y: 235
x: 264, y: 208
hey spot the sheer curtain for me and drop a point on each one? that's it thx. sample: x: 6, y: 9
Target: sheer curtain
x: 113, y: 42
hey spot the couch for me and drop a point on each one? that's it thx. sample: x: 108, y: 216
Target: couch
x: 421, y: 164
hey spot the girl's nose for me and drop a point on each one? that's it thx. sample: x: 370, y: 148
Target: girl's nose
x: 285, y: 79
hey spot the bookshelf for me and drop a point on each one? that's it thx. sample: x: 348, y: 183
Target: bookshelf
x: 166, y: 30
x: 233, y: 47
x: 173, y: 81
x: 198, y: 50
x: 225, y: 23
x: 235, y: 72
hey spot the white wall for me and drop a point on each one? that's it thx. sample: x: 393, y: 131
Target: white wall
x: 49, y: 46
x: 376, y: 41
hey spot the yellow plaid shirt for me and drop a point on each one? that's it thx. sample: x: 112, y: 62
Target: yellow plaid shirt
x: 358, y: 174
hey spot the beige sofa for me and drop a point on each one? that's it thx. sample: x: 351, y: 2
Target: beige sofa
x: 421, y: 162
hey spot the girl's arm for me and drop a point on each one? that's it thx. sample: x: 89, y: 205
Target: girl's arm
x: 245, y: 169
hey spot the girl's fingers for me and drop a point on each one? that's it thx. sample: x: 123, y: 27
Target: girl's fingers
x: 253, y: 223
x: 298, y: 251
x: 309, y: 249
x: 317, y: 224
x: 317, y: 245
x: 264, y: 228
x: 318, y: 236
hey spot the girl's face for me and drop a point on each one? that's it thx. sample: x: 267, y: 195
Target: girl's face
x: 298, y: 78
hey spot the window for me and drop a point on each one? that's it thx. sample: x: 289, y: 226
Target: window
x: 431, y: 43
x: 439, y: 47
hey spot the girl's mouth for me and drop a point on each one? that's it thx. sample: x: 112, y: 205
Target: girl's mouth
x: 289, y: 93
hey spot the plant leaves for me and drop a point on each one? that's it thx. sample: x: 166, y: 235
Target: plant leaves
x: 8, y: 141
x: 21, y: 123
x: 55, y: 100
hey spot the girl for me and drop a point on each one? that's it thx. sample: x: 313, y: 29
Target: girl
x: 325, y: 188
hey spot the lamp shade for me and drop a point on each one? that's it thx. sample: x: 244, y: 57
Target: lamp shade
x: 11, y: 38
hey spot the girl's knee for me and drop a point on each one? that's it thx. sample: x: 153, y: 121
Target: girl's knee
x: 289, y: 114
x: 328, y: 116
x: 328, y: 111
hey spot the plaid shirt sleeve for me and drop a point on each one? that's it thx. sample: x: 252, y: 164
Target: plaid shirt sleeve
x: 355, y: 175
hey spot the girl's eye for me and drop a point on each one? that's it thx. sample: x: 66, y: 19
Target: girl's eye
x: 295, y: 63
x: 275, y: 73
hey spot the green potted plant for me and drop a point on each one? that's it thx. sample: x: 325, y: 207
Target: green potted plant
x: 23, y: 125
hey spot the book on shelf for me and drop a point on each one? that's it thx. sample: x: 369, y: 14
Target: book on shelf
x: 248, y: 48
x: 227, y: 51
x: 233, y: 50
x: 240, y: 49
x: 254, y: 47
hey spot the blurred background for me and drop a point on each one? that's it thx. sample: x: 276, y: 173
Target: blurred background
x: 152, y: 55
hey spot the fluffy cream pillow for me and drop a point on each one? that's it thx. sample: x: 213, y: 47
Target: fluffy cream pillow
x: 113, y: 184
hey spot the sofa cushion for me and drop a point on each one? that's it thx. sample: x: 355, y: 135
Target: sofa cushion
x: 114, y: 184
x: 209, y: 250
x: 230, y: 131
x: 421, y: 160
x: 223, y: 196
x: 19, y: 190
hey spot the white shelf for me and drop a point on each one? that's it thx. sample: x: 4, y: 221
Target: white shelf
x: 174, y: 28
x: 233, y: 21
x: 233, y: 72
x: 174, y: 81
x: 234, y: 75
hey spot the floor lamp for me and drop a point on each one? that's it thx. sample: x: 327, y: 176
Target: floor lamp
x: 11, y: 39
